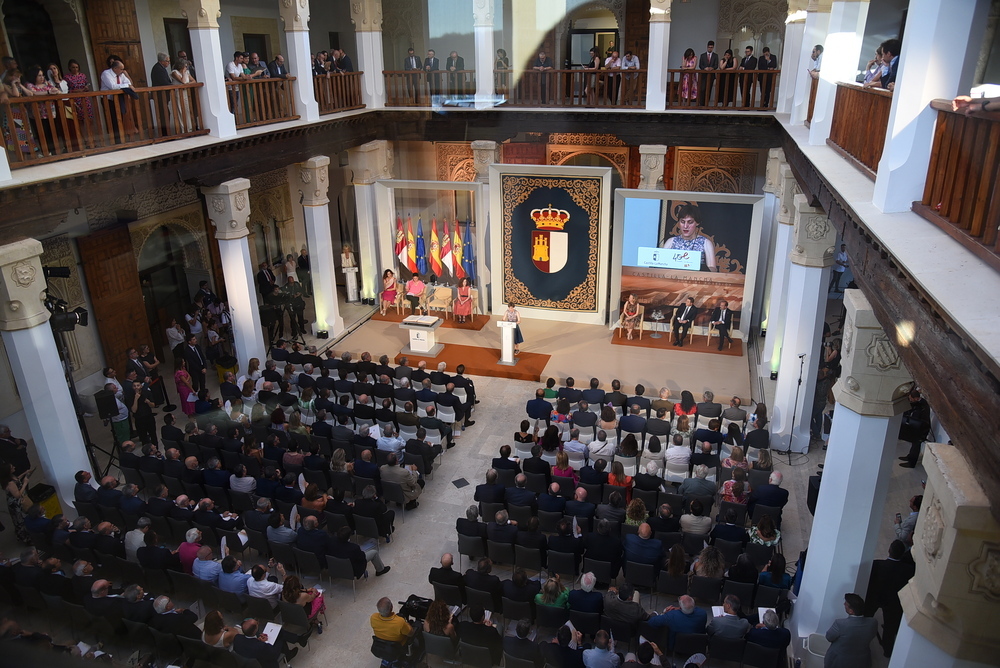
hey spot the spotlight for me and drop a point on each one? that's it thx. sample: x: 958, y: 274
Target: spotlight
x: 55, y: 272
x: 67, y: 321
x: 322, y: 334
x: 774, y: 375
x: 763, y: 332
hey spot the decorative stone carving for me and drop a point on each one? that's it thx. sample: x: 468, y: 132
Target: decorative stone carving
x: 188, y: 222
x: 315, y: 180
x: 788, y: 188
x: 295, y: 15
x: 366, y: 15
x: 585, y: 139
x: 22, y: 285
x: 755, y: 16
x: 772, y: 179
x: 371, y: 162
x: 482, y: 13
x: 557, y: 155
x: 954, y: 598
x: 874, y: 380
x: 652, y: 158
x: 724, y: 171
x: 454, y: 161
x: 232, y: 197
x: 201, y: 13
x: 659, y: 11
x: 485, y: 153
x: 142, y: 204
x: 814, y: 235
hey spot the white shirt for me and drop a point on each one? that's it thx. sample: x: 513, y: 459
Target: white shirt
x: 601, y: 449
x: 174, y: 337
x: 678, y: 456
x: 112, y: 81
x: 612, y: 63
x: 270, y: 591
x: 630, y: 63
x: 841, y: 257
x: 233, y: 70
x: 134, y: 539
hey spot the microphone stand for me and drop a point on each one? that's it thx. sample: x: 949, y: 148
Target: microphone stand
x: 795, y: 406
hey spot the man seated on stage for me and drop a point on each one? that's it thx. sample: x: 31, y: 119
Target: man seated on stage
x: 722, y: 319
x: 684, y: 319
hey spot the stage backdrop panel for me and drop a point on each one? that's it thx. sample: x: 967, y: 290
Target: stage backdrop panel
x: 675, y: 245
x: 550, y: 240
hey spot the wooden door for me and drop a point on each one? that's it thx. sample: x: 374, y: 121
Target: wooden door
x: 114, y: 29
x: 113, y: 279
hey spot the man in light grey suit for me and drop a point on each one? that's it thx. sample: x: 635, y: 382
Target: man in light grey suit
x: 729, y: 625
x: 851, y: 638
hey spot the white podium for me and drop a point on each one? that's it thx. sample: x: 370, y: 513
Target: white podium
x: 507, y: 342
x: 423, y: 339
x: 351, y: 276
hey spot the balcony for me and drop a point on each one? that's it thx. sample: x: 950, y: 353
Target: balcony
x: 572, y: 88
x: 736, y: 90
x: 857, y: 129
x: 961, y: 195
x: 47, y: 128
x: 261, y: 101
x: 338, y: 92
x: 419, y: 88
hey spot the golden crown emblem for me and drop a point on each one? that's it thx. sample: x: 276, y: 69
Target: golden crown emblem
x: 550, y: 219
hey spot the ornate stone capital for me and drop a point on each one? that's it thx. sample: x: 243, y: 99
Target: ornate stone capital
x: 229, y: 208
x: 314, y: 180
x: 652, y: 158
x: 954, y: 598
x: 22, y: 285
x: 788, y: 188
x: 484, y: 154
x: 482, y: 13
x: 659, y: 11
x: 201, y: 13
x: 873, y: 380
x: 295, y: 15
x: 371, y: 162
x: 814, y: 235
x: 366, y: 15
x: 772, y: 182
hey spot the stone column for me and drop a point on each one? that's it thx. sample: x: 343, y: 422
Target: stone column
x: 808, y: 277
x: 315, y: 182
x: 935, y: 29
x: 482, y: 21
x: 871, y: 394
x: 814, y: 32
x: 229, y: 210
x: 786, y: 190
x: 38, y: 373
x: 651, y: 163
x: 842, y: 52
x: 951, y: 605
x: 657, y: 61
x: 485, y: 154
x: 795, y: 26
x: 370, y: 162
x: 209, y: 62
x: 295, y: 16
x: 366, y: 15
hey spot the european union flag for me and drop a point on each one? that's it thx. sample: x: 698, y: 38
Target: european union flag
x: 421, y: 249
x: 468, y: 255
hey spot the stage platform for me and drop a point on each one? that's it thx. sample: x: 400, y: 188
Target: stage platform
x: 581, y: 351
x: 692, y: 344
x: 474, y: 322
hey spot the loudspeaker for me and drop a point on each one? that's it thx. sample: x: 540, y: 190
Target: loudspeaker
x: 107, y: 407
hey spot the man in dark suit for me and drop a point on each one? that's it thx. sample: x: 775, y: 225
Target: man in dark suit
x: 265, y: 279
x: 159, y: 504
x: 519, y: 494
x: 432, y: 67
x: 648, y: 478
x: 412, y: 63
x: 616, y: 397
x: 481, y: 579
x: 890, y: 56
x: 758, y: 437
x: 594, y: 394
x: 749, y: 62
x: 455, y: 63
x: 595, y: 474
x: 659, y: 426
x: 520, y: 645
x: 664, y: 521
x: 53, y: 582
x: 850, y: 638
x: 196, y: 364
x: 538, y: 408
x: 535, y: 464
x: 722, y: 319
x: 569, y: 392
x: 580, y: 507
x: 770, y: 494
x: 639, y: 400
x: 491, y: 491
x: 729, y: 530
x: 519, y: 588
x: 633, y: 422
x: 481, y: 633
x: 683, y: 319
x: 887, y: 578
x: 915, y: 427
x: 100, y: 604
x: 504, y: 461
x: 470, y: 524
x: 155, y: 556
x: 446, y: 575
x: 448, y: 399
x: 169, y: 431
x: 419, y: 375
x: 369, y: 505
x: 276, y: 68
x: 419, y: 446
x: 583, y: 417
x: 707, y: 61
x: 107, y: 541
x: 603, y: 546
x: 252, y: 644
x: 502, y: 530
x: 642, y: 548
x: 159, y: 75
x: 766, y: 62
x: 552, y: 501
x: 565, y: 542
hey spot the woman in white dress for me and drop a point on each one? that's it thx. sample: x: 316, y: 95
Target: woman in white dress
x: 182, y: 75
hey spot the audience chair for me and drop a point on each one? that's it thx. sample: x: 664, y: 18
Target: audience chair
x: 593, y: 491
x: 416, y: 460
x: 471, y: 547
x: 514, y: 662
x: 257, y: 541
x: 758, y: 656
x: 563, y: 563
x: 528, y: 558
x: 757, y: 477
x: 518, y: 609
x: 550, y: 617
x: 628, y: 462
x: 577, y: 460
x: 641, y: 575
x: 260, y: 608
x: 548, y: 520
x: 602, y: 570
x: 506, y: 477
x: 731, y: 550
x: 672, y: 585
x: 726, y: 649
x: 706, y: 591
x: 712, y: 327
x: 741, y: 511
x: 686, y: 644
x: 744, y: 590
x: 283, y: 553
x: 587, y: 623
x: 768, y: 597
x: 367, y: 527
x: 319, y: 478
x: 649, y: 497
x: 759, y: 511
x: 432, y: 436
x: 474, y: 655
x: 360, y: 484
x: 489, y: 509
x: 694, y: 543
x: 295, y: 622
x: 392, y: 492
x: 194, y: 650
x: 342, y: 569
x: 89, y: 510
x: 536, y: 482
x: 441, y: 646
x: 759, y: 554
x: 167, y: 647
x: 480, y: 598
x: 673, y: 473
x: 342, y: 481
x: 157, y: 581
x: 520, y: 514
x: 307, y: 563
x: 450, y: 594
x: 522, y: 450
x: 406, y: 432
x: 500, y: 553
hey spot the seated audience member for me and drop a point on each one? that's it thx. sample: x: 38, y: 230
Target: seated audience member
x: 729, y: 624
x: 600, y: 448
x: 642, y: 548
x: 553, y: 593
x: 155, y: 556
x: 628, y: 447
x: 774, y: 574
x: 261, y: 586
x: 524, y: 434
x: 519, y: 494
x: 535, y: 463
x: 531, y: 538
x: 252, y: 644
x: 664, y: 520
x: 585, y: 599
x: 621, y: 604
x: 341, y: 547
x: 552, y: 501
x: 278, y: 532
x: 569, y: 392
x: 205, y: 567
x: 579, y: 507
x: 519, y: 588
x: 564, y: 541
x: 676, y: 562
x: 369, y: 505
x: 736, y: 459
x: 482, y: 579
x: 563, y: 471
x: 617, y: 478
x: 736, y: 489
x: 232, y: 579
x: 771, y: 494
x: 174, y: 620
x: 502, y: 529
x: 566, y: 649
x: 729, y: 530
x: 765, y: 532
x: 504, y: 461
x: 602, y: 545
x: 685, y: 617
x: 188, y: 550
x: 439, y: 621
x: 480, y: 632
x: 743, y: 570
x: 613, y: 510
x: 697, y: 484
x: 470, y: 524
x: 710, y: 563
x: 520, y: 645
x: 491, y: 491
x: 708, y: 407
x: 445, y: 574
x: 648, y: 478
x: 694, y: 521
x: 538, y: 408
x: 769, y: 634
x: 653, y: 452
x: 705, y: 453
x: 602, y: 653
x: 636, y: 513
x: 648, y: 654
x: 609, y: 420
x: 678, y: 455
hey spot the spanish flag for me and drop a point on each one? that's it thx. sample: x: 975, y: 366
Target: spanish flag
x: 400, y: 241
x: 456, y: 254
x: 435, y: 248
x: 446, y: 257
x: 411, y: 246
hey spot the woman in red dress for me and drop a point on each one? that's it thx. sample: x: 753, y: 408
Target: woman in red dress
x: 463, y: 305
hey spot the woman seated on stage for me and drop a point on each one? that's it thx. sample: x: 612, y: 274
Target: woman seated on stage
x: 609, y: 419
x: 388, y: 296
x: 562, y: 469
x: 525, y: 435
x: 415, y: 288
x: 463, y: 305
x: 630, y: 316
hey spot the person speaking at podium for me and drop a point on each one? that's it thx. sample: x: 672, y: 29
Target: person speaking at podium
x: 511, y: 315
x: 690, y: 237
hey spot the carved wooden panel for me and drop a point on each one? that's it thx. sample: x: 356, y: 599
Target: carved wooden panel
x: 617, y: 155
x: 523, y: 153
x: 586, y: 138
x: 454, y: 161
x: 725, y: 171
x: 114, y: 29
x: 113, y: 281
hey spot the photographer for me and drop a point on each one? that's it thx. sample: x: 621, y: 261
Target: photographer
x: 16, y: 487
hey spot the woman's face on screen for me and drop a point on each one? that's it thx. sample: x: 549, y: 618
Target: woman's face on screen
x: 688, y: 227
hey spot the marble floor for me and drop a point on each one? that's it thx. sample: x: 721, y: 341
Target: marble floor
x: 424, y: 534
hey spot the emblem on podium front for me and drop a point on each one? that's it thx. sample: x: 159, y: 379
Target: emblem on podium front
x: 549, y: 241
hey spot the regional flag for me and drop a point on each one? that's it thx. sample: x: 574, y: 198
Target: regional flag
x: 400, y: 241
x: 411, y: 247
x: 435, y: 249
x: 446, y: 258
x: 421, y: 249
x: 456, y: 254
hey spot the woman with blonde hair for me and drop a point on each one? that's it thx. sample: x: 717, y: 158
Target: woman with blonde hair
x: 710, y: 563
x: 736, y: 460
x: 636, y: 513
x: 763, y: 462
x: 553, y: 594
x: 562, y: 469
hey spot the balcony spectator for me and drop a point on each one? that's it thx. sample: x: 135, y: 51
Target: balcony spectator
x: 766, y: 81
x: 182, y: 55
x: 631, y: 81
x: 689, y: 82
x: 749, y: 62
x: 78, y: 83
x: 890, y: 56
x: 875, y: 70
x: 966, y: 104
x: 159, y: 74
x: 707, y: 61
x: 54, y: 76
x: 453, y: 65
x: 613, y: 62
x: 116, y: 78
x: 815, y: 60
x: 277, y: 68
x: 258, y: 70
x: 342, y: 62
x: 182, y: 74
x: 543, y: 64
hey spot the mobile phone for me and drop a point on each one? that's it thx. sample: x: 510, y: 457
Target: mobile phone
x: 899, y: 518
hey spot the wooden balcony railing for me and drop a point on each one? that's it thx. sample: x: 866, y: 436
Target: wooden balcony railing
x: 572, y: 88
x: 47, y: 128
x: 261, y: 101
x: 813, y: 87
x: 961, y: 195
x: 753, y: 90
x: 338, y: 92
x: 418, y: 88
x: 860, y: 117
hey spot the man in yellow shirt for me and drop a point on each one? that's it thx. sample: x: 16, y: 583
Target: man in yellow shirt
x: 387, y: 625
